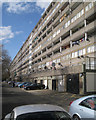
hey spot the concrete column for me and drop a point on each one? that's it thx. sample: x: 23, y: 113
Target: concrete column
x: 52, y: 44
x: 46, y: 33
x: 70, y: 11
x: 85, y: 23
x: 70, y: 44
x: 46, y: 56
x: 81, y: 84
x: 70, y: 32
x: 60, y: 39
x: 70, y: 41
x: 52, y: 53
x: 60, y: 49
x: 60, y: 11
x: 52, y: 19
x: 46, y: 48
x: 65, y: 83
x: 52, y: 28
x: 85, y: 36
x: 41, y: 59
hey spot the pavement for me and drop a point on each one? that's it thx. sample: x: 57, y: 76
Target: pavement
x: 62, y: 99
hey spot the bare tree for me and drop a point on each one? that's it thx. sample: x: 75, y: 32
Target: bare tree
x: 6, y: 61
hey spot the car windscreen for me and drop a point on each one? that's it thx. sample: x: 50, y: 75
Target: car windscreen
x: 45, y: 115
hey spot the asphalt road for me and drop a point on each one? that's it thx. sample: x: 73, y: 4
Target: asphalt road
x: 13, y: 97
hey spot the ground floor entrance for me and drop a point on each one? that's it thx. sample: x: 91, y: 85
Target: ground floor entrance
x: 73, y: 83
x: 53, y: 84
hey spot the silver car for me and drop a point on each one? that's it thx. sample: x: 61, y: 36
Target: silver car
x: 38, y: 112
x: 83, y: 108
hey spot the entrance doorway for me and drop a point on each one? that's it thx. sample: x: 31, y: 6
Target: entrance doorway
x: 53, y: 84
x: 41, y: 81
x: 73, y: 83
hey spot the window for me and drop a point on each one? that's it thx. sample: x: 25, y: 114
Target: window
x: 77, y: 15
x: 82, y: 12
x: 58, y: 31
x: 88, y: 49
x: 54, y: 61
x: 47, y: 64
x: 67, y: 24
x: 44, y: 115
x: 72, y: 20
x: 86, y: 8
x: 89, y: 103
x: 84, y: 51
x: 61, y: 1
x: 58, y: 60
x: 76, y: 54
x: 54, y: 34
x: 91, y: 48
x: 90, y: 5
x: 73, y: 55
x: 64, y: 57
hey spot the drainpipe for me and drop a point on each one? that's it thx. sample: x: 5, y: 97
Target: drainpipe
x: 84, y: 71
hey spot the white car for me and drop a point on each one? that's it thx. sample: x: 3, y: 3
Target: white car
x: 38, y: 112
x: 83, y: 108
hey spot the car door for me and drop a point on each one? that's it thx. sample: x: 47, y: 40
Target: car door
x: 33, y: 87
x: 86, y: 108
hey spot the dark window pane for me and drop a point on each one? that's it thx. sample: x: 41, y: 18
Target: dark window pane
x: 89, y: 103
x: 46, y: 115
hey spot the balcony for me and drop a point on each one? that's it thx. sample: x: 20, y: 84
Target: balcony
x: 60, y: 71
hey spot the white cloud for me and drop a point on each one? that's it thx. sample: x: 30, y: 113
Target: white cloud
x: 18, y: 32
x: 26, y: 5
x: 0, y: 5
x: 42, y: 4
x: 25, y: 0
x: 18, y: 7
x: 7, y: 41
x: 6, y: 33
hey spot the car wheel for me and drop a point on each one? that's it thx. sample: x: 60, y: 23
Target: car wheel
x: 75, y: 117
x: 41, y: 87
x: 28, y: 89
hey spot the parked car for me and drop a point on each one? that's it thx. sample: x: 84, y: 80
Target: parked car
x: 83, y: 108
x: 38, y: 112
x: 17, y: 83
x: 27, y: 84
x: 9, y: 82
x: 35, y: 86
x: 21, y: 85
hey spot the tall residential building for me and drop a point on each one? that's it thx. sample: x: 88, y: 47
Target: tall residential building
x: 60, y: 52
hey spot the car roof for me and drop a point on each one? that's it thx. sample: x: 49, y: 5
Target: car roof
x: 36, y: 108
x: 83, y: 98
